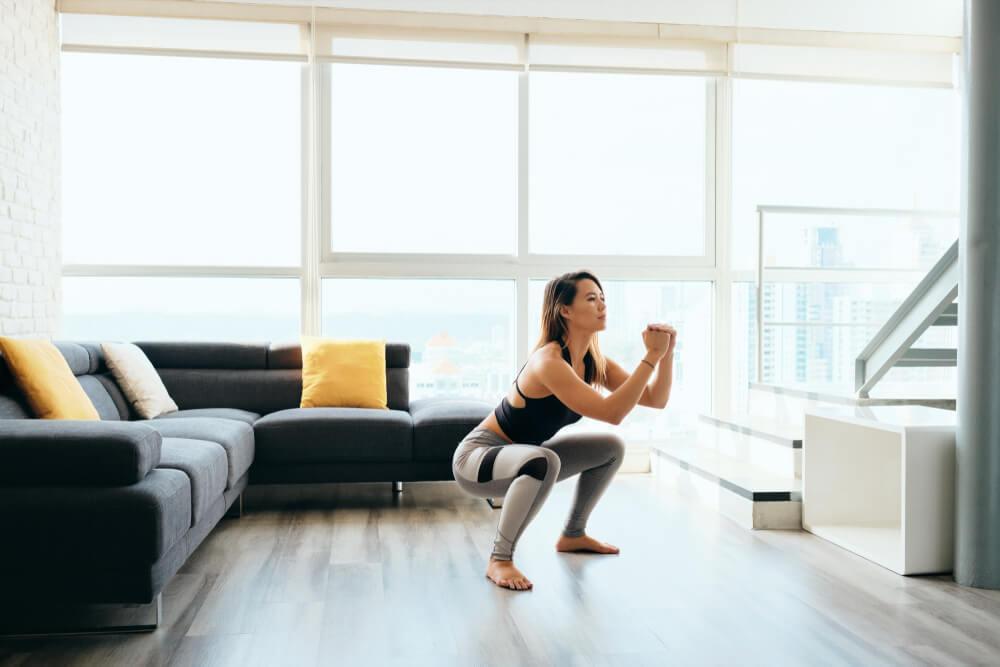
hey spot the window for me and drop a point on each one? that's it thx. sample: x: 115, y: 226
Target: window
x: 836, y: 145
x: 215, y: 309
x: 618, y: 164
x: 423, y: 159
x: 461, y: 332
x: 187, y: 161
x: 181, y: 161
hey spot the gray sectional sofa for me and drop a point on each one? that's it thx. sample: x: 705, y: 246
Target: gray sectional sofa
x: 108, y: 511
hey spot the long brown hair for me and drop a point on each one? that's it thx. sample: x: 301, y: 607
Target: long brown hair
x: 561, y: 291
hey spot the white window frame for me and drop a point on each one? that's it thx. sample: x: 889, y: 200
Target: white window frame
x: 522, y: 255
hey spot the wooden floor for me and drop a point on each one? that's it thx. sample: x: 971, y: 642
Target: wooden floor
x: 346, y: 575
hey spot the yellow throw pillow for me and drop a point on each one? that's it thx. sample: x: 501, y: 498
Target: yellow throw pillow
x: 42, y: 374
x: 343, y: 373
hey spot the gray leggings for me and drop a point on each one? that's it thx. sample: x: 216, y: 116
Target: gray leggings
x: 486, y: 466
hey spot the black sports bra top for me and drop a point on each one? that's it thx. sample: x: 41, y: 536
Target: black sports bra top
x: 540, y: 418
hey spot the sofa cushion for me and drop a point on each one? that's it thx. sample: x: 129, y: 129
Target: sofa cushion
x: 96, y: 390
x: 197, y: 354
x: 11, y: 408
x: 440, y: 424
x: 78, y: 357
x: 236, y: 414
x: 236, y: 437
x: 205, y: 465
x: 329, y: 435
x: 253, y: 390
x: 42, y: 373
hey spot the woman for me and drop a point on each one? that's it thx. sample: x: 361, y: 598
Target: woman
x: 512, y: 453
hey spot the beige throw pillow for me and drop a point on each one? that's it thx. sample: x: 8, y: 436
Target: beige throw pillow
x: 138, y: 380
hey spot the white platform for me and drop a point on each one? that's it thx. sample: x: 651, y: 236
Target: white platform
x: 788, y: 405
x: 880, y: 482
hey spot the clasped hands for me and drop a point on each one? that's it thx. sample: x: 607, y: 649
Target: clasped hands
x: 659, y: 340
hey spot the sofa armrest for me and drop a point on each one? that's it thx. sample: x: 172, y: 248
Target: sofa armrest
x: 43, y: 452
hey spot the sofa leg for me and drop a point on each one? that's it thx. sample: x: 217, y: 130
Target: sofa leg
x: 235, y: 510
x: 495, y: 503
x: 59, y: 621
x: 397, y: 487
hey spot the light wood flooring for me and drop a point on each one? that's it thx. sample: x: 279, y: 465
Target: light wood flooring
x: 346, y: 575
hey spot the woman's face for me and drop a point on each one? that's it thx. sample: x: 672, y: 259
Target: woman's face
x: 588, y: 309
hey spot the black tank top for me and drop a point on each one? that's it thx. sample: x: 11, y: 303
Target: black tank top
x: 540, y: 418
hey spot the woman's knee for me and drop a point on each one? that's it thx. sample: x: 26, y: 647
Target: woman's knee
x: 616, y: 446
x: 542, y: 467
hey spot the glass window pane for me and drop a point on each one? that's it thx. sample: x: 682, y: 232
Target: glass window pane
x: 461, y: 332
x: 215, y: 309
x: 836, y: 145
x: 180, y: 160
x: 813, y: 333
x: 631, y: 306
x: 423, y: 159
x: 822, y: 358
x: 617, y: 164
x: 868, y: 304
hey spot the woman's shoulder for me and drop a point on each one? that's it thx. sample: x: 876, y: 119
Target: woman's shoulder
x: 544, y: 358
x: 551, y: 350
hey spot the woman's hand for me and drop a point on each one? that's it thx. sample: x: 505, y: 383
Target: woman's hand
x: 657, y: 341
x: 671, y: 337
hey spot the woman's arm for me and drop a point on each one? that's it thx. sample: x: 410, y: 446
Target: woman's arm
x: 581, y: 398
x: 656, y: 393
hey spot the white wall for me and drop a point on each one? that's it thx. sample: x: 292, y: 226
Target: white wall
x: 29, y: 167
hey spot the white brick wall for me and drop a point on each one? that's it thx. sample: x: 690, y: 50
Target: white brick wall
x: 29, y: 168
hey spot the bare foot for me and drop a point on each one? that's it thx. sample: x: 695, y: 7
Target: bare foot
x: 585, y: 543
x: 504, y: 574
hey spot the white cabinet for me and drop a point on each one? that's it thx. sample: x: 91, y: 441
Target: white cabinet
x: 880, y: 482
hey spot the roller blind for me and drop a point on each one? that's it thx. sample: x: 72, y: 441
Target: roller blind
x: 843, y: 63
x: 147, y: 32
x: 682, y: 55
x: 738, y: 55
x: 428, y: 45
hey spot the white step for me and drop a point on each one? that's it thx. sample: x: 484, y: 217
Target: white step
x: 755, y: 498
x: 761, y: 443
x: 765, y: 428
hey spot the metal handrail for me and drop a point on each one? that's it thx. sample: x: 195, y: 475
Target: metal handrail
x: 927, y: 303
x: 763, y: 209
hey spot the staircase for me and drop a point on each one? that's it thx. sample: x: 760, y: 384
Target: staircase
x: 748, y: 465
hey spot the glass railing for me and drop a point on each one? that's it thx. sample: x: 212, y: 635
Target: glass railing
x: 826, y: 281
